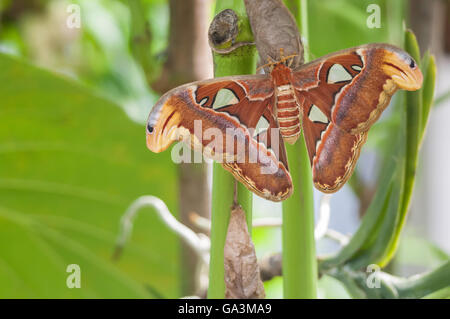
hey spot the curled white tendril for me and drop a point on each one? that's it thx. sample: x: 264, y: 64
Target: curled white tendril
x: 200, y: 243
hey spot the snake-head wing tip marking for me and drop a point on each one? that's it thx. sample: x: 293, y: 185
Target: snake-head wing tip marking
x: 403, y: 70
x: 162, y: 125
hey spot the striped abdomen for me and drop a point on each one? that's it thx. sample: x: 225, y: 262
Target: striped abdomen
x: 288, y: 113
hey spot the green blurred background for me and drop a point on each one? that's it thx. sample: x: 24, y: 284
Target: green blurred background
x: 73, y: 103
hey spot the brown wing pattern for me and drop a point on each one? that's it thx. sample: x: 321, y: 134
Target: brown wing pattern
x: 224, y: 129
x: 342, y: 95
x: 230, y: 119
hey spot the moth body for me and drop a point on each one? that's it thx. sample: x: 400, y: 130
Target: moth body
x: 287, y: 106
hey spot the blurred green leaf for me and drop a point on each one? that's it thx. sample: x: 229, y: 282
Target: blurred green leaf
x: 442, y: 98
x: 331, y: 288
x: 429, y: 70
x: 372, y: 220
x: 418, y: 252
x: 70, y: 165
x: 423, y: 285
x: 327, y: 286
x: 374, y: 249
x: 440, y: 294
x: 274, y: 288
x: 343, y: 23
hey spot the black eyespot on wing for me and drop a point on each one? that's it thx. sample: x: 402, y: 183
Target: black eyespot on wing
x: 412, y: 64
x: 150, y: 128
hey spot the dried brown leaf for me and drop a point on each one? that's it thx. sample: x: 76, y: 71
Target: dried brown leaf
x: 242, y: 275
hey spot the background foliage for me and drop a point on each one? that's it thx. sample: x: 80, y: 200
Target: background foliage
x: 73, y: 155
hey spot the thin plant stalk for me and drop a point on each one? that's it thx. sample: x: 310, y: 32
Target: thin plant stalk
x: 299, y: 253
x: 222, y: 199
x: 240, y: 61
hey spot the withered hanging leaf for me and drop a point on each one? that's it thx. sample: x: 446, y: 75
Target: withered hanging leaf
x: 274, y: 28
x: 242, y: 276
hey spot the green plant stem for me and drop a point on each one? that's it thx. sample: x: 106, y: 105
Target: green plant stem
x: 429, y: 83
x: 299, y: 260
x: 240, y: 61
x: 435, y: 283
x: 222, y: 200
x: 299, y: 254
x: 304, y: 29
x: 413, y: 124
x: 418, y: 287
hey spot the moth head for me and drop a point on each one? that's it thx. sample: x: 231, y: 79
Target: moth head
x: 403, y: 70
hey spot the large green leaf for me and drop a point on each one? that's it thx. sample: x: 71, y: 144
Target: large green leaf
x: 70, y: 164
